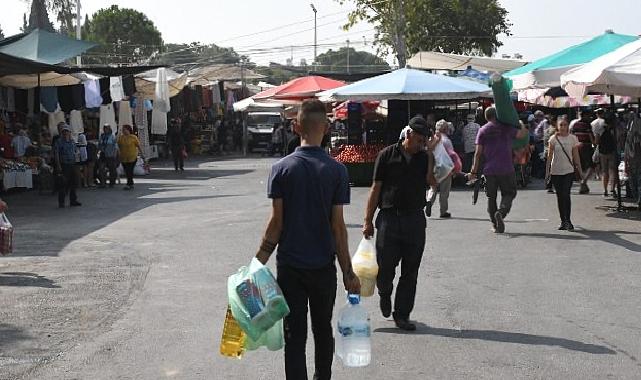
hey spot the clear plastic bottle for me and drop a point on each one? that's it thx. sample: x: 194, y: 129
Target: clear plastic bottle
x: 353, y: 345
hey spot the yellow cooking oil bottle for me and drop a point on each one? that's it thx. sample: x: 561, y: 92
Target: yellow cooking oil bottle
x: 232, y: 343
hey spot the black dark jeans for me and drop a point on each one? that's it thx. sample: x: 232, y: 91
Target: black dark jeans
x: 129, y: 172
x: 68, y: 184
x: 400, y: 239
x: 107, y: 164
x: 177, y: 154
x: 562, y: 186
x: 507, y: 185
x: 316, y: 287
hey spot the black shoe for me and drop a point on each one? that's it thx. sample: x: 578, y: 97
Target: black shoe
x: 386, y: 306
x: 605, y: 194
x: 446, y: 215
x: 428, y: 209
x: 500, y: 225
x: 405, y: 324
x: 569, y: 226
x: 584, y: 189
x: 76, y: 204
x: 550, y: 191
x: 562, y: 226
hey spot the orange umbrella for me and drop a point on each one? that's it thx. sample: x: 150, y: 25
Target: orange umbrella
x: 299, y: 88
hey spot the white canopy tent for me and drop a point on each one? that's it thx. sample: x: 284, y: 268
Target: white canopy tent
x: 616, y: 73
x: 146, y: 83
x: 432, y: 60
x: 249, y: 104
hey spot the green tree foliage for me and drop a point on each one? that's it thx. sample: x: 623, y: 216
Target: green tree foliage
x: 196, y: 54
x: 359, y: 61
x: 1, y: 33
x: 125, y: 36
x: 39, y: 17
x: 276, y: 75
x: 451, y: 26
x: 63, y: 10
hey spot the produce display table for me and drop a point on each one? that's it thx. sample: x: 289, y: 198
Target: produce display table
x: 359, y: 160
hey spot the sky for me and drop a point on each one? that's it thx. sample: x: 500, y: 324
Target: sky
x: 274, y: 30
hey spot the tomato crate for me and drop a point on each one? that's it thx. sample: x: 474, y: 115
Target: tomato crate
x: 360, y: 174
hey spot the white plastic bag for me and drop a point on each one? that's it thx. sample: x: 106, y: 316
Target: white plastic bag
x: 366, y: 267
x: 443, y: 164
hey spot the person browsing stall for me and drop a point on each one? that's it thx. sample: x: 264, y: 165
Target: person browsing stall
x: 66, y: 153
x: 401, y: 176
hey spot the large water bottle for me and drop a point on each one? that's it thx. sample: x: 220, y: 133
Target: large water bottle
x: 353, y: 345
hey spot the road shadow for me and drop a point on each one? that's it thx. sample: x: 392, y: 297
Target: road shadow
x: 487, y: 220
x: 42, y: 229
x: 503, y: 337
x: 610, y: 237
x: 26, y: 279
x: 9, y: 335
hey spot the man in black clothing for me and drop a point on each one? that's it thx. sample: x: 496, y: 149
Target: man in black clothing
x: 176, y: 144
x: 401, y: 176
x: 308, y: 190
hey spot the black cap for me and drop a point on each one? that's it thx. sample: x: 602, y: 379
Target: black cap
x: 419, y: 125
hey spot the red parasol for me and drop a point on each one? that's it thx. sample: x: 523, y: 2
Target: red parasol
x: 299, y: 88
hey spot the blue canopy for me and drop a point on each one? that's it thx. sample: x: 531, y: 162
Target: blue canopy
x: 44, y: 47
x: 408, y: 84
x: 475, y: 74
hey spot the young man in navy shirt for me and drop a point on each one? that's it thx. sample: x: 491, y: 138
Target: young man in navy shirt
x: 308, y: 189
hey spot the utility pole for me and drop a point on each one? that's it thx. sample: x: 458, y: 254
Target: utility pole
x: 78, y: 30
x: 347, y: 56
x: 401, y: 47
x: 315, y: 31
x: 244, y: 121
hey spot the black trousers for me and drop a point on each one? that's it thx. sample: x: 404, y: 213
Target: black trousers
x: 107, y: 164
x: 400, y: 239
x: 177, y: 154
x: 68, y: 184
x: 506, y: 184
x: 316, y: 288
x: 562, y: 187
x: 129, y: 172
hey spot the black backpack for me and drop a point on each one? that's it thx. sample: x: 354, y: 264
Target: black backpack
x: 607, y: 144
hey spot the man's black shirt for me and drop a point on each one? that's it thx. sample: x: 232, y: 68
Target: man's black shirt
x: 404, y: 182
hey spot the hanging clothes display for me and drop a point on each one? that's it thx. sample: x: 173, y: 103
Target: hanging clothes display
x: 105, y: 91
x: 11, y: 99
x: 158, y: 122
x: 231, y: 99
x: 115, y: 89
x: 92, y: 94
x: 107, y: 116
x: 54, y: 119
x: 21, y: 102
x: 188, y: 98
x: 31, y: 102
x: 65, y: 98
x: 129, y: 85
x: 49, y: 99
x: 3, y: 98
x: 140, y: 115
x: 207, y: 103
x: 78, y: 97
x: 76, y: 123
x: 215, y: 94
x: 161, y: 94
x: 124, y: 114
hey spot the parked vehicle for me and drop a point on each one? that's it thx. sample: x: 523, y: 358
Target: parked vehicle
x: 259, y: 129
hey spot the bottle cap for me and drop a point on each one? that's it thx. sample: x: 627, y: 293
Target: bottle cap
x: 354, y: 299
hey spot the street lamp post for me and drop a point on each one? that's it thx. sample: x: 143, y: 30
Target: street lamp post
x: 315, y: 12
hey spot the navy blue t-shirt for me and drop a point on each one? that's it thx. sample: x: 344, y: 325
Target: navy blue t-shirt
x: 310, y: 183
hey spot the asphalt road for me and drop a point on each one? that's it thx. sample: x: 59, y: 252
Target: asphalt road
x: 133, y: 286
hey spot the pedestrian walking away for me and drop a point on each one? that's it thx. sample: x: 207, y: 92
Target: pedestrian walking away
x: 308, y: 190
x: 176, y: 144
x: 470, y: 130
x: 66, y: 154
x: 563, y: 161
x: 108, y: 158
x: 582, y: 129
x: 129, y: 146
x: 494, y: 148
x: 401, y: 176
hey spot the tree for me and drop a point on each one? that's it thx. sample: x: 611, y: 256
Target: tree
x: 451, y: 26
x: 64, y: 10
x: 1, y: 33
x: 197, y: 54
x: 125, y: 36
x: 359, y: 61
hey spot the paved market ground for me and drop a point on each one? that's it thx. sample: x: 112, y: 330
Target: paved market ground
x: 132, y: 286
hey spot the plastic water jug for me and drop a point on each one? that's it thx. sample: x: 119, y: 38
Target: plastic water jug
x: 232, y: 343
x: 353, y: 345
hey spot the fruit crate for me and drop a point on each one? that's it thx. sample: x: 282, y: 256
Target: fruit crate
x: 360, y: 174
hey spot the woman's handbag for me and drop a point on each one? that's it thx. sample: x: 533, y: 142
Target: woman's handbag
x: 577, y: 173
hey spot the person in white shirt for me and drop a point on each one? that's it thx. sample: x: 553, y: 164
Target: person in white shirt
x: 444, y: 187
x: 470, y: 130
x: 20, y: 143
x: 563, y: 160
